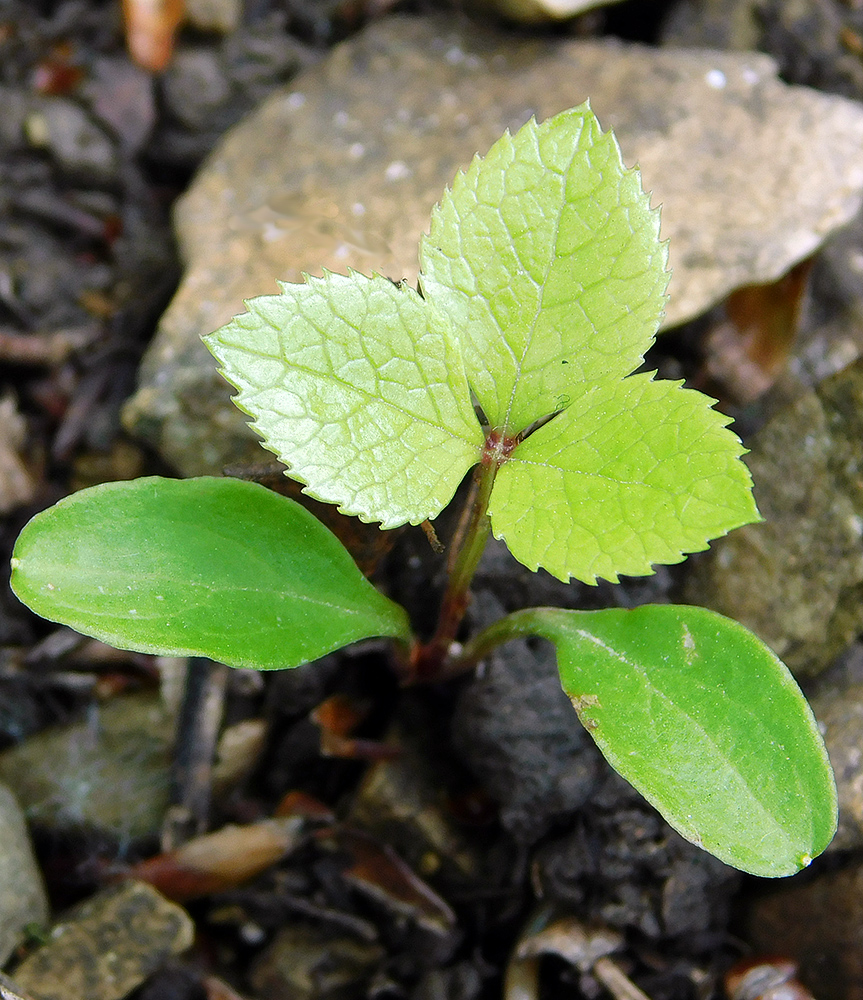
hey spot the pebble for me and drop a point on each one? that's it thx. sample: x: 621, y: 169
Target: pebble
x: 106, y: 946
x: 305, y: 962
x: 539, y: 11
x: 109, y: 773
x: 76, y: 144
x: 342, y: 168
x: 22, y: 900
x: 215, y: 15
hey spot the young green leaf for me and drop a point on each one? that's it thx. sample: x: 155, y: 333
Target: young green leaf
x: 704, y: 720
x: 631, y: 473
x: 358, y: 386
x: 546, y: 256
x: 207, y: 567
x: 544, y: 282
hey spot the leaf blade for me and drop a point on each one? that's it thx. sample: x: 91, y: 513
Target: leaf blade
x: 629, y: 475
x: 707, y: 723
x: 207, y: 567
x: 546, y: 254
x: 357, y: 385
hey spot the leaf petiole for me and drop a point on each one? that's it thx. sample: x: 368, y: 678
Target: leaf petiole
x: 433, y: 660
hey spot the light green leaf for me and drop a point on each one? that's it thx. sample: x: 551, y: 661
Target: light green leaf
x: 704, y: 720
x: 632, y: 473
x: 358, y: 386
x: 546, y: 256
x: 208, y: 567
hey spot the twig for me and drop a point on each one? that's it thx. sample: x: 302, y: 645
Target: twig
x: 197, y: 731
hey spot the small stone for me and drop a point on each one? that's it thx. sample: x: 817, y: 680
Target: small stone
x: 77, y: 145
x: 122, y: 95
x: 107, y: 946
x: 517, y: 732
x: 109, y: 773
x: 796, y: 579
x: 342, y: 169
x: 22, y: 900
x: 305, y: 962
x: 215, y: 15
x: 196, y: 86
x: 540, y: 11
x: 17, y: 486
x: 399, y: 802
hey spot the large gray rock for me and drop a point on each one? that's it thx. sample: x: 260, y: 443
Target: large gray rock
x: 342, y: 169
x: 796, y: 579
x: 22, y: 899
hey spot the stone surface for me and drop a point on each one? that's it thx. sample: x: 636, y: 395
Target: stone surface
x: 838, y: 705
x: 539, y: 11
x: 400, y: 803
x: 342, y: 169
x: 305, y: 962
x: 17, y: 486
x: 796, y: 579
x: 108, y: 773
x: 514, y: 728
x: 818, y: 922
x: 107, y: 946
x: 840, y: 713
x: 22, y: 899
x: 214, y: 15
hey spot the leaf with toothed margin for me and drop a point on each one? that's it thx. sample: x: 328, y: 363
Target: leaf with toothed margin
x: 706, y: 722
x: 357, y: 384
x: 544, y: 282
x: 630, y: 474
x: 546, y: 256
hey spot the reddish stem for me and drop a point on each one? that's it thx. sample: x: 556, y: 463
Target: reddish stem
x: 428, y: 661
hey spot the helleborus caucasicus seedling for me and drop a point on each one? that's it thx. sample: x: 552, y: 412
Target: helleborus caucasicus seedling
x: 542, y: 285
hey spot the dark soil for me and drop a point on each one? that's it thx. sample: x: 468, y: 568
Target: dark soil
x: 93, y: 151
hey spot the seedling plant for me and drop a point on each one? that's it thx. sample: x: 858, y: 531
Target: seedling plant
x: 542, y: 285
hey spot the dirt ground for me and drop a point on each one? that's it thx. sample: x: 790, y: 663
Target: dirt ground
x: 94, y: 149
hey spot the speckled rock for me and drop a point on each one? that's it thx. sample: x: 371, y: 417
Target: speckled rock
x: 109, y: 773
x: 107, y: 946
x: 796, y: 579
x: 342, y: 169
x: 22, y: 899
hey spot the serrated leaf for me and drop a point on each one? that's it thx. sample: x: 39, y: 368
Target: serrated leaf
x: 207, y: 567
x: 707, y: 723
x: 358, y: 386
x: 630, y: 474
x: 546, y: 256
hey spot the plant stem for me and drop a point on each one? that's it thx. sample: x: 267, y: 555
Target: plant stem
x: 429, y: 660
x: 517, y: 625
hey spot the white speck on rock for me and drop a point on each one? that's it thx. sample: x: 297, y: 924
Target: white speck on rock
x: 296, y: 100
x: 398, y: 170
x: 356, y: 150
x: 716, y: 78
